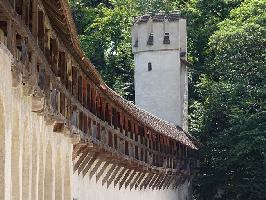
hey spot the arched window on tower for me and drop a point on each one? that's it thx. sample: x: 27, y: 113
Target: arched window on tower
x: 136, y: 43
x: 149, y: 66
x: 150, y: 39
x: 166, y: 39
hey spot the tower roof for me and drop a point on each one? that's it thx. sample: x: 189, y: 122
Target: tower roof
x: 158, y: 17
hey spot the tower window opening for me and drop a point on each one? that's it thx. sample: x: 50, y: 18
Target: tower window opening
x: 150, y: 39
x: 149, y: 66
x: 166, y: 39
x: 136, y: 43
x: 183, y: 53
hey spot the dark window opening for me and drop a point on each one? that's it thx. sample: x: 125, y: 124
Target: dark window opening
x: 110, y: 139
x: 41, y: 29
x: 85, y: 124
x: 80, y: 89
x: 136, y: 43
x: 84, y: 92
x: 54, y: 54
x: 26, y: 10
x: 136, y: 138
x: 166, y: 39
x: 80, y: 121
x: 62, y: 105
x: 88, y: 97
x: 114, y: 118
x: 141, y: 155
x: 30, y: 15
x: 62, y: 69
x: 150, y: 40
x: 183, y: 53
x: 126, y: 148
x: 107, y: 116
x: 3, y: 32
x: 136, y: 153
x: 18, y: 46
x: 18, y: 6
x: 115, y: 142
x: 149, y: 66
x: 74, y: 81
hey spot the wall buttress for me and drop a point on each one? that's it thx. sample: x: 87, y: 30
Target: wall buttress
x: 26, y: 163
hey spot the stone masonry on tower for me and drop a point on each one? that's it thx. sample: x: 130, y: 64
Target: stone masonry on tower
x: 65, y: 135
x: 159, y: 42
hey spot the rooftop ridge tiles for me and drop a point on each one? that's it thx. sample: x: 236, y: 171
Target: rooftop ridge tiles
x: 158, y: 17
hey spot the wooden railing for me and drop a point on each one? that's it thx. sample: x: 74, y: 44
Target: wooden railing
x: 76, y: 102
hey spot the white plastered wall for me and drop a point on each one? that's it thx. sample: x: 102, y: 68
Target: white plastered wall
x: 163, y: 90
x: 157, y: 91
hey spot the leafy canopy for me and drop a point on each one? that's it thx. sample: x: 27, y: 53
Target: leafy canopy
x: 232, y: 107
x: 226, y: 46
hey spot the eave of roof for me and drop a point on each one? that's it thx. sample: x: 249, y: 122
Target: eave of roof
x: 70, y: 37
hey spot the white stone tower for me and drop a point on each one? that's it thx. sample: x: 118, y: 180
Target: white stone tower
x: 159, y: 44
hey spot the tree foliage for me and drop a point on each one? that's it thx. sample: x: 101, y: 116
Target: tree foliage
x: 104, y: 29
x: 226, y: 45
x: 232, y: 100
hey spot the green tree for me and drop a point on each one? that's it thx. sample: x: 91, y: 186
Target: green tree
x: 226, y: 45
x: 104, y: 29
x: 231, y: 107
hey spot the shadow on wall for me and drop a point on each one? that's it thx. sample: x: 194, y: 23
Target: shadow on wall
x: 2, y: 151
x: 15, y: 153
